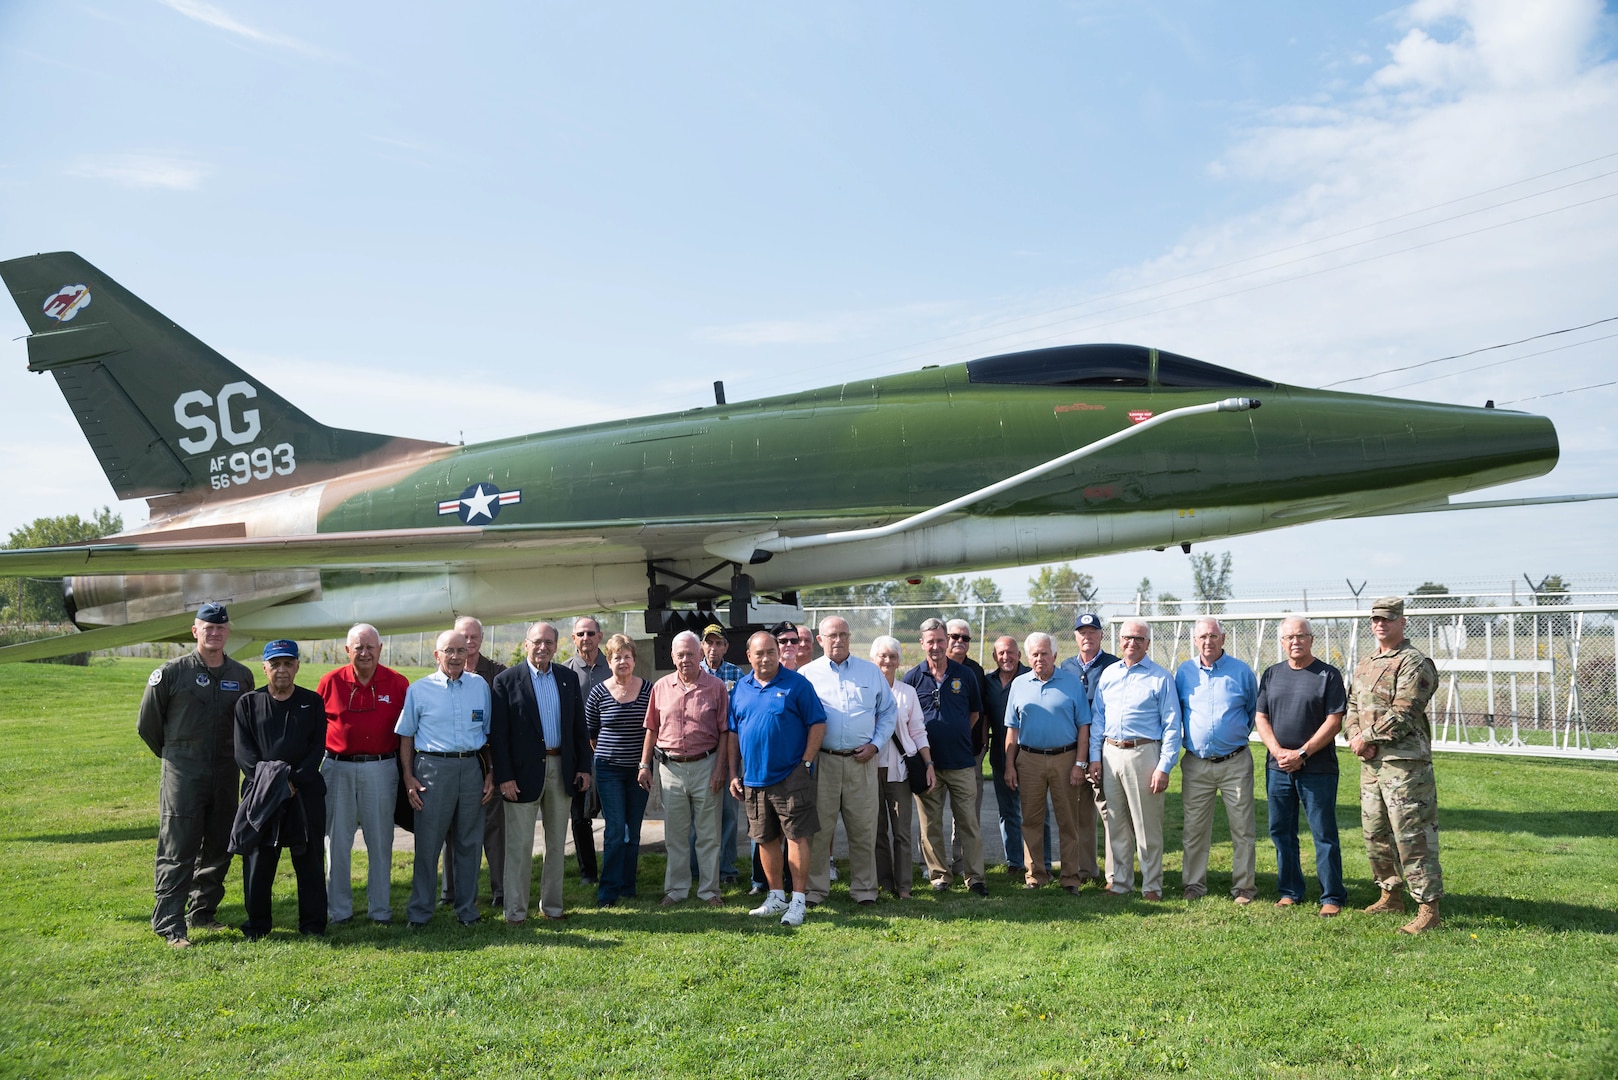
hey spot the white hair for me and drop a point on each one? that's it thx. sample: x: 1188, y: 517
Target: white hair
x: 361, y: 628
x: 1039, y: 635
x: 958, y: 624
x: 686, y: 637
x: 468, y: 620
x: 887, y: 643
x: 1208, y: 620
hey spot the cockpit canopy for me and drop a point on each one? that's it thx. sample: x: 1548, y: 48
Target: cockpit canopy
x: 1105, y: 366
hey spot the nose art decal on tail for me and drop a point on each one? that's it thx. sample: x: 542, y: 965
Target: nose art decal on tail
x: 67, y: 302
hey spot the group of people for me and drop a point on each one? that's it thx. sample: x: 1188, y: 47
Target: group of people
x: 474, y: 756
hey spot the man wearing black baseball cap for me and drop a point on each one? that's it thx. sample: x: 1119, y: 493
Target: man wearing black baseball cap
x: 186, y: 718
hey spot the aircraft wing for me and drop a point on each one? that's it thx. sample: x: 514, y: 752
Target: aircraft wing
x: 497, y: 546
x: 165, y: 628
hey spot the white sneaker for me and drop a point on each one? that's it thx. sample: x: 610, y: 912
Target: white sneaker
x: 834, y: 871
x: 773, y: 905
x: 794, y: 913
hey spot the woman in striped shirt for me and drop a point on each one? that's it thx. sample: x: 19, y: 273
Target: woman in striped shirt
x: 615, y: 715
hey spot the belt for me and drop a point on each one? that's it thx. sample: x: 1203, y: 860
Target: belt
x: 839, y: 753
x: 678, y: 759
x: 553, y: 753
x: 1049, y: 753
x: 452, y: 753
x: 365, y: 757
x: 1130, y: 744
x: 1221, y: 757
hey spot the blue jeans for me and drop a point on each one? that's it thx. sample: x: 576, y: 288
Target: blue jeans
x: 1318, y: 793
x: 727, y: 838
x: 1009, y: 804
x: 623, y: 806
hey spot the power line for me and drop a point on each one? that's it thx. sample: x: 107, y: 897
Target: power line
x: 1484, y: 349
x: 1559, y: 393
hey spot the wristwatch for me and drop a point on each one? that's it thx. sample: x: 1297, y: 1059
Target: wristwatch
x: 1303, y: 755
x: 810, y: 764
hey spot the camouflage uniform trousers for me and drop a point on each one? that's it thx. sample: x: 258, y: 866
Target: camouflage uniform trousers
x: 1399, y: 816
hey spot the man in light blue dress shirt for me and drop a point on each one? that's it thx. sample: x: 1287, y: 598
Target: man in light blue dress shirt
x: 860, y: 713
x: 1218, y: 695
x: 1134, y: 742
x: 443, y: 731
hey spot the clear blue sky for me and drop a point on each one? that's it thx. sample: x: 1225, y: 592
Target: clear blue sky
x: 513, y: 216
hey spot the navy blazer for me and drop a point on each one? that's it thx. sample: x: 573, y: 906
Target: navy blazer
x: 517, y: 740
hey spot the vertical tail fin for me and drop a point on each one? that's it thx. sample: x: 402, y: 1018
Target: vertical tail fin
x: 164, y: 413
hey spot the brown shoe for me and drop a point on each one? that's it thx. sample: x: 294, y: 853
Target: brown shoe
x: 1426, y: 919
x: 1390, y: 901
x: 179, y: 943
x: 1286, y: 901
x: 669, y: 901
x: 1242, y: 900
x: 1154, y: 897
x: 516, y: 922
x: 716, y: 901
x: 1328, y: 911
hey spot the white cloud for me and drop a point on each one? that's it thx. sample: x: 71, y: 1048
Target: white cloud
x: 223, y: 20
x: 143, y: 170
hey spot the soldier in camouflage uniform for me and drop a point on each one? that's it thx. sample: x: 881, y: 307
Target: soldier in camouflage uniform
x: 188, y: 718
x: 1387, y: 728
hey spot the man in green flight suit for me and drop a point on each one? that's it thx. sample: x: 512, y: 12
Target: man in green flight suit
x: 187, y: 718
x: 1387, y: 728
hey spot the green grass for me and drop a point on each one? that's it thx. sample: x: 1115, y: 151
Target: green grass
x: 1520, y: 981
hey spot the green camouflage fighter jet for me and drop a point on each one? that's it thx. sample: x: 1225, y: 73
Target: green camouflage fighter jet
x: 1011, y: 460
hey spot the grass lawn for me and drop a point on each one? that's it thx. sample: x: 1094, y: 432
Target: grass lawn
x: 1520, y: 981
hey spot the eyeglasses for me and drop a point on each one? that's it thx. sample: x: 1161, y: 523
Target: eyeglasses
x: 1297, y: 637
x: 587, y: 633
x: 1134, y: 637
x: 960, y: 637
x: 454, y: 652
x: 362, y: 698
x: 786, y: 641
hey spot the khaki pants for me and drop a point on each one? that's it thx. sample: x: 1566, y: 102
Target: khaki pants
x: 1093, y: 808
x: 1037, y: 776
x: 1134, y: 816
x: 962, y: 788
x: 688, y: 801
x: 554, y: 806
x: 1232, y: 779
x: 847, y: 788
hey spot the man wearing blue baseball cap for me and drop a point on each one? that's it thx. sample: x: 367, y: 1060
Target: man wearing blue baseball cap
x: 186, y: 719
x: 280, y: 741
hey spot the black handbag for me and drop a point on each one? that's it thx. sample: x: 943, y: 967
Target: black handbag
x: 915, y: 767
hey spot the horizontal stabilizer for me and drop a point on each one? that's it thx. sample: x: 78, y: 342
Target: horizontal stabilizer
x: 168, y: 627
x: 1487, y: 504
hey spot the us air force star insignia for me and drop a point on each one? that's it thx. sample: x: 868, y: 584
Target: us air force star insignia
x: 479, y: 503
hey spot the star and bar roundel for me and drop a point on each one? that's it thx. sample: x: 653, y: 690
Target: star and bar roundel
x: 479, y: 503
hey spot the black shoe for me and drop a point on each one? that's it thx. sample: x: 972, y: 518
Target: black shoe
x: 589, y: 881
x: 473, y: 921
x: 867, y: 903
x: 979, y: 888
x: 417, y: 925
x: 341, y: 922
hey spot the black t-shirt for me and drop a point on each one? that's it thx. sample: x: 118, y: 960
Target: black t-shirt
x: 1297, y: 701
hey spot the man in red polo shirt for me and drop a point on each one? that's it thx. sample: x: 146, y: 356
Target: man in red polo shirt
x: 363, y: 700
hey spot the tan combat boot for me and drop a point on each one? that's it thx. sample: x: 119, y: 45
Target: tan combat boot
x: 1426, y: 919
x: 1391, y: 901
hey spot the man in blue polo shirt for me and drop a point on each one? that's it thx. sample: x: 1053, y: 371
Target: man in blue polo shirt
x: 1047, y: 720
x: 779, y: 724
x: 951, y: 703
x: 1218, y: 695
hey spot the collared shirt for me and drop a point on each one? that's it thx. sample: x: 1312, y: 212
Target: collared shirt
x: 1047, y: 713
x: 727, y: 673
x: 858, y: 702
x: 772, y: 725
x: 446, y: 716
x: 360, y: 719
x: 590, y: 675
x: 948, y: 706
x: 1089, y: 672
x: 1216, y: 705
x: 686, y: 720
x: 549, y: 700
x: 1137, y: 702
